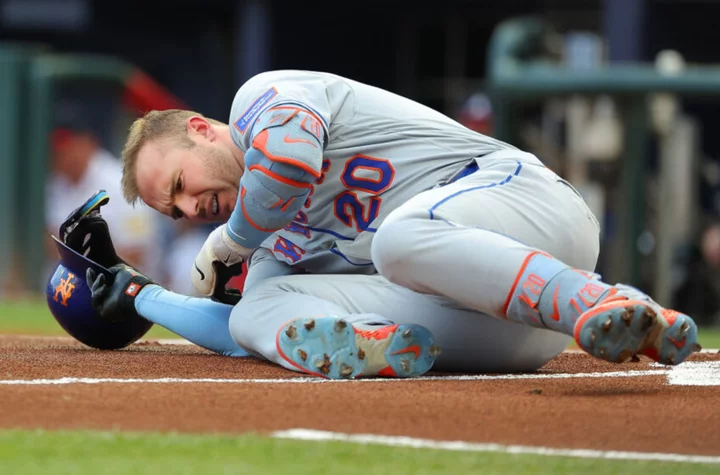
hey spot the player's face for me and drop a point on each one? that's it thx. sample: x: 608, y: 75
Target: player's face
x: 199, y: 184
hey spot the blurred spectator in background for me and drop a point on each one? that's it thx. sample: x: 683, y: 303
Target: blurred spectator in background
x: 699, y: 289
x: 80, y: 166
x: 476, y: 114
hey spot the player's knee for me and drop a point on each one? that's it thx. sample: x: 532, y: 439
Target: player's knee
x: 244, y: 317
x: 391, y: 249
x: 240, y: 324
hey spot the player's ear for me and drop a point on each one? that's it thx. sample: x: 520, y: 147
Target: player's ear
x: 200, y: 126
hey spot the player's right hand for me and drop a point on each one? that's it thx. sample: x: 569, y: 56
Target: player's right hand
x: 113, y: 297
x: 218, y: 261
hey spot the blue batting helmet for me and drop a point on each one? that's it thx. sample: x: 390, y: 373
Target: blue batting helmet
x: 68, y: 297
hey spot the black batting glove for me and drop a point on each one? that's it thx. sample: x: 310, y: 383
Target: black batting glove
x: 222, y: 293
x: 113, y: 297
x: 86, y: 232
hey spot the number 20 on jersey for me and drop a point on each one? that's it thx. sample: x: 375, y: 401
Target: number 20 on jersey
x: 362, y: 174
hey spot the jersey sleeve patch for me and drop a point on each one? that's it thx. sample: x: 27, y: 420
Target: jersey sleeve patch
x: 252, y: 112
x: 280, y: 115
x: 287, y: 135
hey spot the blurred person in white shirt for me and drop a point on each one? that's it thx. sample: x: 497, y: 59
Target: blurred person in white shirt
x: 79, y: 167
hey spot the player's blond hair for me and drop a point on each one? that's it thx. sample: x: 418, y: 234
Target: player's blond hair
x: 167, y: 125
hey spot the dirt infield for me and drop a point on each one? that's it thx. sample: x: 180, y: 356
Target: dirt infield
x: 568, y: 404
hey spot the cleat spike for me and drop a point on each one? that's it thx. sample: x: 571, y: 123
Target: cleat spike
x: 405, y: 365
x: 302, y: 354
x: 310, y: 324
x: 696, y: 348
x: 627, y: 315
x: 323, y: 365
x: 602, y: 352
x: 684, y: 327
x: 434, y: 350
x: 593, y: 337
x: 291, y: 332
x: 624, y: 355
x: 361, y: 354
x: 407, y: 333
x: 346, y: 370
x: 635, y: 359
x: 340, y: 325
x: 607, y: 325
x: 649, y: 318
x: 671, y: 360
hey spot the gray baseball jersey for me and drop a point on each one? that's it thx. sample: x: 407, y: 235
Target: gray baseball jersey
x: 376, y: 151
x: 456, y: 269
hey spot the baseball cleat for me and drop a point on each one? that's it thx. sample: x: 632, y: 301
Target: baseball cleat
x: 629, y: 323
x: 332, y: 348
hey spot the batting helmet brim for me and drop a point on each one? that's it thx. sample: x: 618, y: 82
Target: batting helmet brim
x: 69, y: 300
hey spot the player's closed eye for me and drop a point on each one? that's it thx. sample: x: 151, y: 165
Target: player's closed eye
x: 176, y: 213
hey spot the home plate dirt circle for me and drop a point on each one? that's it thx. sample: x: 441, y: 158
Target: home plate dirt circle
x: 574, y: 402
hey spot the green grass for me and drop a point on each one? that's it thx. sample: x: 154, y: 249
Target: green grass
x: 83, y: 452
x: 32, y: 317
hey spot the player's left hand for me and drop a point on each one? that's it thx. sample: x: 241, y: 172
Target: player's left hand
x: 218, y: 261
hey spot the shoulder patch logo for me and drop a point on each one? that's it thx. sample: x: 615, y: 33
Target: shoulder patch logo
x: 246, y: 119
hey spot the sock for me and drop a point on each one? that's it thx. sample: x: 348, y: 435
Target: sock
x: 548, y: 293
x: 199, y: 320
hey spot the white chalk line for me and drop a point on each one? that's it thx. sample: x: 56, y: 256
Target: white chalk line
x: 394, y: 441
x: 704, y: 373
x: 693, y: 373
x: 170, y: 341
x: 313, y: 380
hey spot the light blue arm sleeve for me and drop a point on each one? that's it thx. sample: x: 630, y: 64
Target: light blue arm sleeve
x: 281, y: 170
x: 198, y: 320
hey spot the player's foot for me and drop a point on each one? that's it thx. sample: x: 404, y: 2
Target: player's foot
x: 332, y: 348
x: 627, y: 323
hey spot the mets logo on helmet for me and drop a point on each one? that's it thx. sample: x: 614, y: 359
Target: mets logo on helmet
x: 65, y: 289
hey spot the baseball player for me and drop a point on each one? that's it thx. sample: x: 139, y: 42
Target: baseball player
x: 322, y: 174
